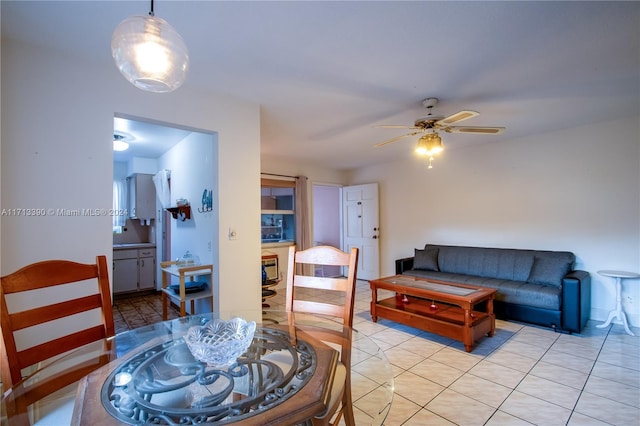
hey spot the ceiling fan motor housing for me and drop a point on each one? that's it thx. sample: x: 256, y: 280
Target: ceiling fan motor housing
x: 427, y: 122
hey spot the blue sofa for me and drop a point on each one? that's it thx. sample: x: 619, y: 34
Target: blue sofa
x: 533, y: 286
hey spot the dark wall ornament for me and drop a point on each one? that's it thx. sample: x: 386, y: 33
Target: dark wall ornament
x: 207, y: 201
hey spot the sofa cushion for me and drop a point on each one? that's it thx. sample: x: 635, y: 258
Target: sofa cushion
x: 426, y: 259
x: 550, y: 268
x: 508, y: 291
x: 507, y: 264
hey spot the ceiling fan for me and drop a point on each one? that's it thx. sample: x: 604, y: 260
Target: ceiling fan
x: 431, y: 143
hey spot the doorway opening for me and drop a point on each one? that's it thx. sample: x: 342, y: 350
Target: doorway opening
x: 327, y: 223
x: 190, y: 156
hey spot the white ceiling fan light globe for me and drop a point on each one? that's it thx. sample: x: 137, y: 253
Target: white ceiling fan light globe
x: 421, y: 148
x: 435, y: 144
x: 150, y: 53
x: 120, y: 145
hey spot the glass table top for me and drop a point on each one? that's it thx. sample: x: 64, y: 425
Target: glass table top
x: 428, y: 285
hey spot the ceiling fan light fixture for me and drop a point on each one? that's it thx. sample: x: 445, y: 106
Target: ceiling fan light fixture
x: 150, y: 53
x: 421, y: 148
x: 429, y: 144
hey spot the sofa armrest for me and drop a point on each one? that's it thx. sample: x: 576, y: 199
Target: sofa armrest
x: 576, y: 300
x: 404, y: 265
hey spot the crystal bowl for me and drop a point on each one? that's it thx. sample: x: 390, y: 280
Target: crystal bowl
x: 219, y: 343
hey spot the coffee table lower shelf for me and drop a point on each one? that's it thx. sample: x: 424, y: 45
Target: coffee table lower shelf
x: 444, y: 320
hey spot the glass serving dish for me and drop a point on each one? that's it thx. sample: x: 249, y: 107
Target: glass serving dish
x: 189, y: 259
x: 219, y: 343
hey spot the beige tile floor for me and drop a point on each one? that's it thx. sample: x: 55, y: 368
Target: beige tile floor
x: 523, y: 375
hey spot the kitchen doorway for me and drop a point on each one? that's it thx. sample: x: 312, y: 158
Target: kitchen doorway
x: 191, y: 157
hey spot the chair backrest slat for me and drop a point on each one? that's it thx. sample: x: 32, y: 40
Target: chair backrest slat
x: 318, y: 308
x: 336, y: 284
x: 42, y: 314
x: 323, y: 255
x: 46, y: 274
x: 60, y: 345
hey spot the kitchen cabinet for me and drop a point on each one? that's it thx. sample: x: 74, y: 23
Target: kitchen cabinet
x: 125, y: 271
x: 134, y: 270
x: 146, y: 269
x: 142, y: 196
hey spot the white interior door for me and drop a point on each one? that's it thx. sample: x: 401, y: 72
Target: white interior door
x: 360, y: 227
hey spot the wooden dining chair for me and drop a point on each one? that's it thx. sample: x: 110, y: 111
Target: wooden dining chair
x: 334, y: 297
x: 33, y: 332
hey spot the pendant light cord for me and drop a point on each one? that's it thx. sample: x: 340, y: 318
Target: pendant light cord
x: 151, y: 11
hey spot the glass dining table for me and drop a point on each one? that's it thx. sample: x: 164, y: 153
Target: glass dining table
x: 149, y: 376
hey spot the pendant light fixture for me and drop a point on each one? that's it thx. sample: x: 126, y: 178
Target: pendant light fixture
x: 150, y: 53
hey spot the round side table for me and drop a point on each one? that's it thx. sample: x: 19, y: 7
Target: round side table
x: 618, y: 312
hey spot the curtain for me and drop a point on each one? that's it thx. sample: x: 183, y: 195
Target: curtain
x: 119, y: 202
x: 303, y: 227
x: 161, y: 182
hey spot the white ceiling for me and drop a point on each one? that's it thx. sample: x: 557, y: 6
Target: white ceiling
x: 326, y: 73
x: 146, y: 139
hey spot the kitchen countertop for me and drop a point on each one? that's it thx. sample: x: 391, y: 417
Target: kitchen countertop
x: 133, y: 246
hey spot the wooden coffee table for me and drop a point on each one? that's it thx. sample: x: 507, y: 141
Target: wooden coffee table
x: 443, y: 308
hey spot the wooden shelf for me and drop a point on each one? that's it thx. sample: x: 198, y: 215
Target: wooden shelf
x: 180, y: 212
x: 443, y: 311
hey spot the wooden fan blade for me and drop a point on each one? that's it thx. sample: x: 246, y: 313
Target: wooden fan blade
x: 396, y: 126
x: 477, y: 130
x: 397, y: 138
x: 457, y: 117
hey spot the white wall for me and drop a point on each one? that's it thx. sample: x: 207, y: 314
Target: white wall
x: 147, y: 166
x: 575, y: 190
x: 193, y: 163
x: 326, y: 214
x: 57, y: 126
x: 327, y: 221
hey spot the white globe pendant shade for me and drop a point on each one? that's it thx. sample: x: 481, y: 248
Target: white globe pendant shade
x: 150, y: 53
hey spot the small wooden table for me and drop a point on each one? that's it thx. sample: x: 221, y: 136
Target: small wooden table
x: 443, y: 308
x: 182, y: 272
